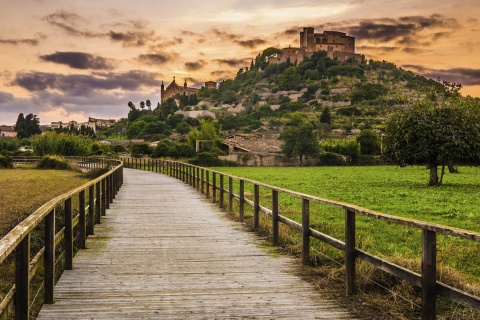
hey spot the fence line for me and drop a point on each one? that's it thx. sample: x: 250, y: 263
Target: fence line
x: 17, y: 243
x: 426, y: 280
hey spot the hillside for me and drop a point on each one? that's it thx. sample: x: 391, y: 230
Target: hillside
x: 338, y: 99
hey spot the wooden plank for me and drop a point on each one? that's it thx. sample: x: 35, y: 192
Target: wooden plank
x: 158, y: 256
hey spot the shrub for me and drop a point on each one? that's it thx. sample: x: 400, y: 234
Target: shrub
x: 6, y: 162
x: 207, y: 159
x: 53, y: 162
x: 347, y: 147
x: 95, y: 172
x: 9, y: 144
x: 330, y: 159
x: 52, y: 143
x: 140, y: 149
x: 118, y: 148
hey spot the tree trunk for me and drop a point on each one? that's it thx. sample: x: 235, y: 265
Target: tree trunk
x: 433, y: 175
x: 451, y: 168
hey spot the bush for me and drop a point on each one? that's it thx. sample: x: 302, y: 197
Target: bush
x: 118, y: 148
x: 53, y: 162
x: 9, y: 144
x: 207, y: 159
x: 52, y: 143
x: 139, y: 149
x: 347, y: 147
x: 96, y: 172
x: 330, y: 159
x: 6, y: 162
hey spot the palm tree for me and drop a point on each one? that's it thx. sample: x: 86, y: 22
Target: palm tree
x: 131, y: 105
x: 149, y: 105
x: 142, y: 105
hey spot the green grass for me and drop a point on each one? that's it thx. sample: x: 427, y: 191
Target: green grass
x: 387, y: 189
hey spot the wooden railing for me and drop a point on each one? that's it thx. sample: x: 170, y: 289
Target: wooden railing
x: 210, y: 182
x: 16, y: 244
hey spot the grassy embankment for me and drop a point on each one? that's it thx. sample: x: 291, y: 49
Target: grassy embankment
x: 24, y: 190
x: 392, y: 190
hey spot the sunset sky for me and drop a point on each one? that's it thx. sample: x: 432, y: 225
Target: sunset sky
x: 70, y: 60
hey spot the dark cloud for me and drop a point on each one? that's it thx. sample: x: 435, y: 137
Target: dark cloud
x: 152, y: 59
x: 412, y: 50
x: 32, y: 42
x: 79, y: 84
x: 252, y: 43
x: 407, y: 30
x: 383, y: 49
x: 80, y: 60
x: 232, y: 62
x: 197, y: 65
x: 226, y: 36
x: 67, y: 21
x: 465, y: 76
x: 133, y: 38
x: 5, y: 97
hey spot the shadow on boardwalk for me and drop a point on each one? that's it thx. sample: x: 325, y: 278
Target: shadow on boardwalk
x: 162, y: 252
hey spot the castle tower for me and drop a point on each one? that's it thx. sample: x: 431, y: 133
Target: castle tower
x: 162, y: 91
x: 185, y: 84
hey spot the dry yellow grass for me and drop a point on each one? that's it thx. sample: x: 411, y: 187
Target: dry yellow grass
x: 24, y: 190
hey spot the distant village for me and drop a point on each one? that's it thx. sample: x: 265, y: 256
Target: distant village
x: 336, y: 44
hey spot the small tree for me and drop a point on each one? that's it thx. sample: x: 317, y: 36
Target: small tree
x: 435, y: 136
x: 369, y: 142
x: 300, y: 142
x: 148, y: 103
x: 325, y: 117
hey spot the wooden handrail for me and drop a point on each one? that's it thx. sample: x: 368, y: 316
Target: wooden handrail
x: 426, y: 280
x: 18, y: 239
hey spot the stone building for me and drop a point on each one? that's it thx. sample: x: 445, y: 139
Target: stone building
x: 173, y: 88
x: 337, y: 45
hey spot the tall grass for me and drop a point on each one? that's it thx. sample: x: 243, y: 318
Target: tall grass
x: 52, y: 143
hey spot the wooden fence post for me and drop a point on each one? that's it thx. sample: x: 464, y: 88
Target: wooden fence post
x: 203, y: 181
x: 82, y: 225
x: 22, y: 279
x: 49, y: 259
x: 241, y: 214
x: 305, y: 232
x: 104, y: 199
x: 68, y: 244
x: 214, y: 187
x: 91, y: 210
x: 230, y: 194
x: 107, y: 192
x: 198, y: 178
x: 222, y: 191
x: 350, y: 251
x: 256, y: 206
x: 429, y: 272
x: 208, y: 184
x: 98, y: 207
x: 275, y: 217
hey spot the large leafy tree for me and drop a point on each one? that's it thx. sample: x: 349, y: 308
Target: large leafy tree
x: 299, y: 142
x: 27, y: 126
x: 435, y: 136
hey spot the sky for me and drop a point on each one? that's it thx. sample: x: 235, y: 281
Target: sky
x: 69, y: 60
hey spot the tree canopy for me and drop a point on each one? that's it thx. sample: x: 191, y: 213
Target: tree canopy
x: 300, y: 141
x: 435, y: 135
x: 27, y: 126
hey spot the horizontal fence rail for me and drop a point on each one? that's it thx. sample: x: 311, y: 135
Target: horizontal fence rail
x: 17, y: 243
x: 216, y: 185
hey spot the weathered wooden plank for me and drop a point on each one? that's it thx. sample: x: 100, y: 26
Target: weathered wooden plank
x: 158, y: 256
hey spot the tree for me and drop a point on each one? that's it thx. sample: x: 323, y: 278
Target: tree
x: 325, y: 117
x: 299, y: 142
x: 369, y: 142
x: 27, y: 126
x: 425, y: 134
x: 148, y: 104
x: 142, y: 105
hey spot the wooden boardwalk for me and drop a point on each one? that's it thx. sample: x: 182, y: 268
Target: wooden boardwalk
x: 164, y: 252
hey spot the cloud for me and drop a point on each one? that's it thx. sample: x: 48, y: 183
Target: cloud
x: 84, y: 85
x: 16, y: 42
x: 80, y: 60
x: 233, y: 62
x: 133, y: 38
x: 152, y: 59
x: 411, y: 50
x: 252, y: 43
x: 403, y: 30
x: 5, y: 97
x: 382, y: 49
x: 67, y: 21
x: 226, y: 36
x: 193, y: 66
x: 465, y: 76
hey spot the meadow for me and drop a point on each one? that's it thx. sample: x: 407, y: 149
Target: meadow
x: 391, y: 190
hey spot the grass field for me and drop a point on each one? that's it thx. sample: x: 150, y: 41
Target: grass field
x: 26, y: 189
x: 391, y: 190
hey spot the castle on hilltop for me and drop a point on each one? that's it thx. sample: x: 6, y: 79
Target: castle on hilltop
x: 173, y: 89
x: 337, y: 45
